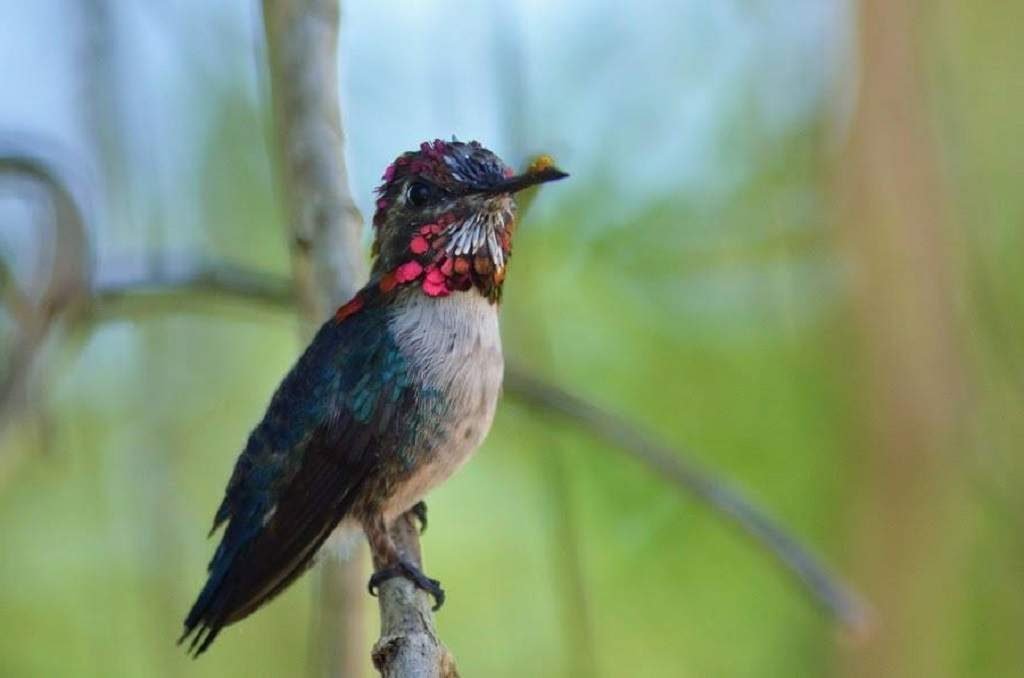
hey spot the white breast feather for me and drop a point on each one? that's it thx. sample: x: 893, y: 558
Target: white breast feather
x: 454, y: 343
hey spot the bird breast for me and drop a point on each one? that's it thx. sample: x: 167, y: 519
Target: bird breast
x: 454, y: 349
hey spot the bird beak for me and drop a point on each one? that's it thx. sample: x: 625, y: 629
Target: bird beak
x: 525, y: 180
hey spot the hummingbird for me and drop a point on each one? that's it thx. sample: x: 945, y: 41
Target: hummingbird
x: 396, y: 391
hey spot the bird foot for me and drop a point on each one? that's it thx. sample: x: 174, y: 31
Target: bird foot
x: 419, y: 509
x: 404, y: 568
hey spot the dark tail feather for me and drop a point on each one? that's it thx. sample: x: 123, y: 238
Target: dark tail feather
x: 201, y: 638
x: 243, y: 578
x: 235, y: 593
x: 256, y: 560
x: 206, y: 618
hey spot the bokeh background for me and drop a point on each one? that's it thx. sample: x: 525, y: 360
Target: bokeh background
x: 791, y: 247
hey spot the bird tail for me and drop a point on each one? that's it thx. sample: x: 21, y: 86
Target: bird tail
x: 234, y: 594
x: 249, y: 570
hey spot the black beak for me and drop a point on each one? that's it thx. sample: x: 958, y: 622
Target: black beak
x: 518, y: 183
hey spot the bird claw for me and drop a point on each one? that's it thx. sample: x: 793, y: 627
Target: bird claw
x: 419, y: 510
x: 406, y: 569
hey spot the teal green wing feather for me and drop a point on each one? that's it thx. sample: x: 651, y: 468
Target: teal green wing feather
x: 322, y: 436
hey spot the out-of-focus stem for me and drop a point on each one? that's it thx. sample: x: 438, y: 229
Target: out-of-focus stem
x: 894, y: 228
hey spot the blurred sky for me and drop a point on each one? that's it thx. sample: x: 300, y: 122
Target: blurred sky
x: 414, y: 71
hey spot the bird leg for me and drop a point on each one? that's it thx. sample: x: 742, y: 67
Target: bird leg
x: 419, y: 510
x: 389, y: 562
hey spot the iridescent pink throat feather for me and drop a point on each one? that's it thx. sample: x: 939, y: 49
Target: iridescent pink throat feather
x: 451, y: 255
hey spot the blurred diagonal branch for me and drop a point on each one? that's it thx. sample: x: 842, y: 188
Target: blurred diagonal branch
x: 668, y: 464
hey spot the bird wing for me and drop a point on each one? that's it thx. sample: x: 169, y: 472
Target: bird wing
x: 323, y: 434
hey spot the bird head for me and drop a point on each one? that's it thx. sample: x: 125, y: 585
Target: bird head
x: 445, y: 217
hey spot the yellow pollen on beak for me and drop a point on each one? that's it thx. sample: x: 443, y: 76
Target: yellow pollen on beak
x: 540, y: 163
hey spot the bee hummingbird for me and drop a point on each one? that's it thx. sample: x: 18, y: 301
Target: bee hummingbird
x: 394, y: 393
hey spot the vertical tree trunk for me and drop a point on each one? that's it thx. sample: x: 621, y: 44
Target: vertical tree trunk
x: 894, y: 219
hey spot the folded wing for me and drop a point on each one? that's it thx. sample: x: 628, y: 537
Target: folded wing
x: 323, y: 436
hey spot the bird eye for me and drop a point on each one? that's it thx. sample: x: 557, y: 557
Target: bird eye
x: 419, y: 194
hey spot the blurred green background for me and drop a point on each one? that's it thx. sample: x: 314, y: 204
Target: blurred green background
x: 791, y: 246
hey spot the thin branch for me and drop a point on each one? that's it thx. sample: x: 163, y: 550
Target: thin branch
x: 66, y: 276
x: 409, y: 645
x: 826, y: 589
x: 146, y: 291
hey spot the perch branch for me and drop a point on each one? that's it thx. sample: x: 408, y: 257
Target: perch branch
x: 409, y: 644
